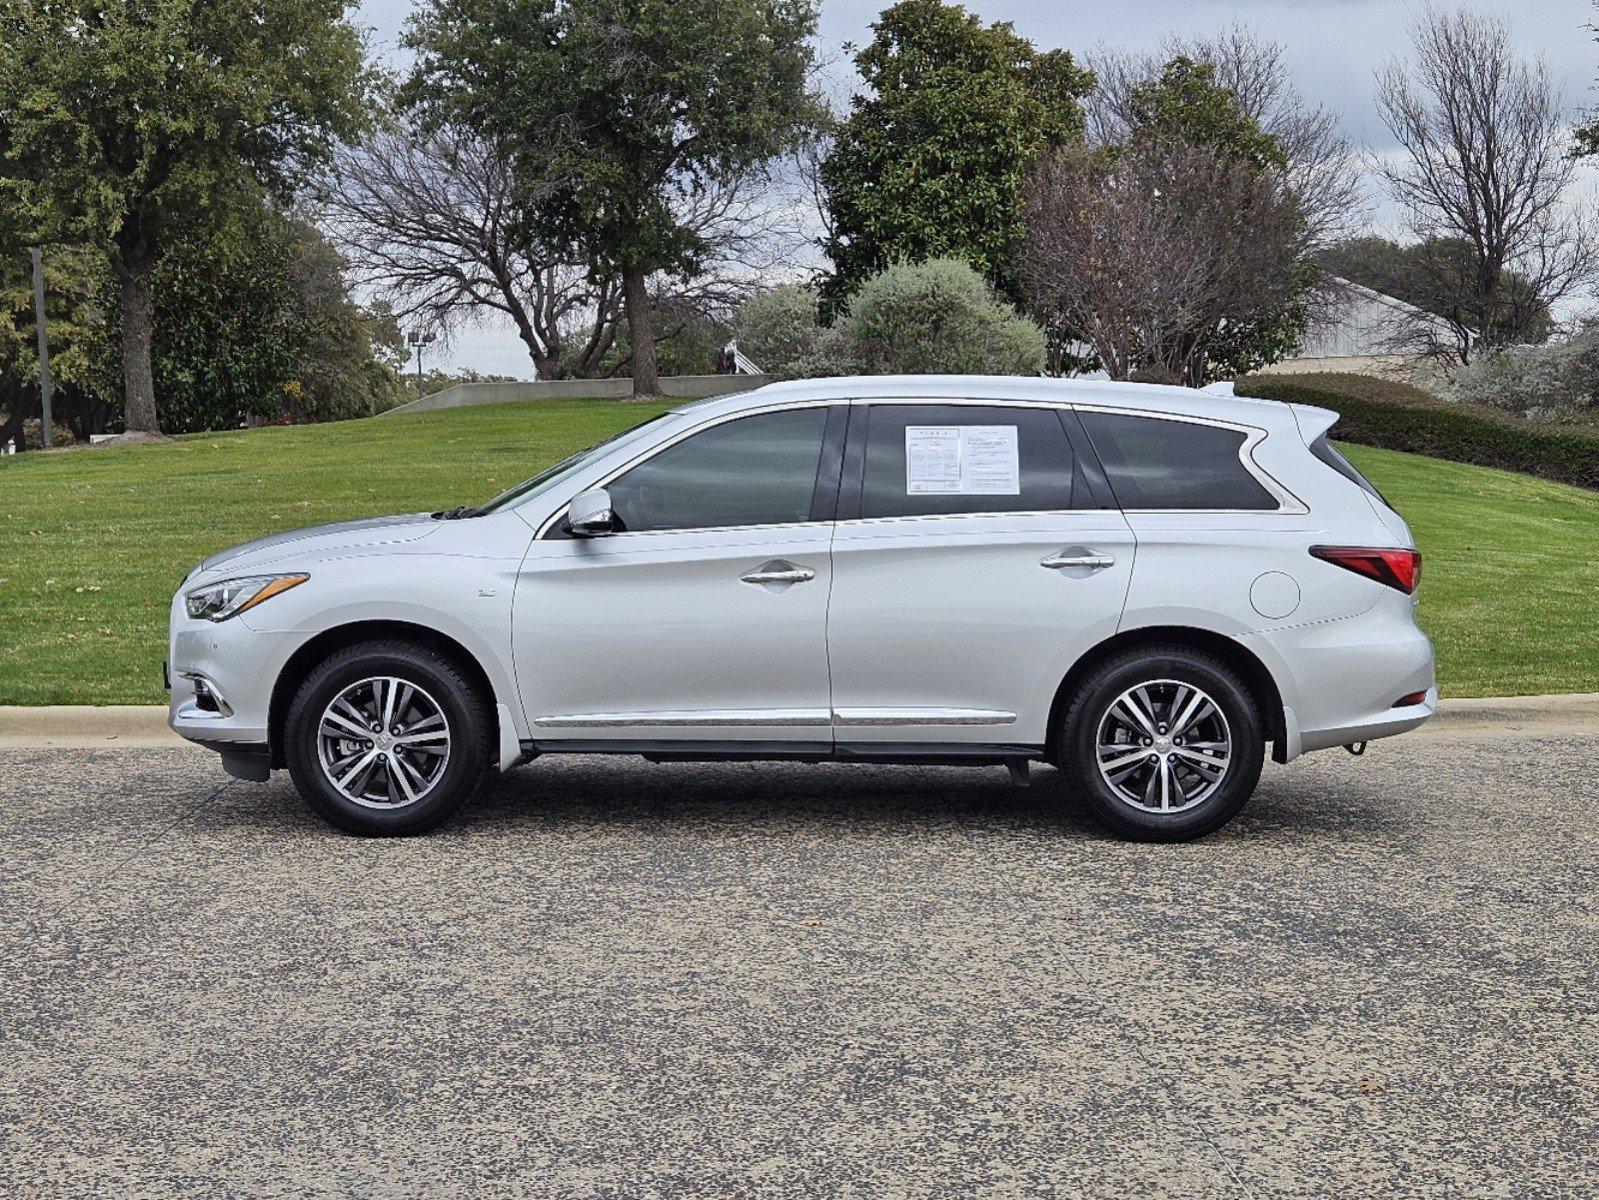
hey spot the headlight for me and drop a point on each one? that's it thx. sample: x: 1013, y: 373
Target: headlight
x: 231, y: 597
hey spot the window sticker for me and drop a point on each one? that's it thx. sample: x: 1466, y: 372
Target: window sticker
x: 962, y: 460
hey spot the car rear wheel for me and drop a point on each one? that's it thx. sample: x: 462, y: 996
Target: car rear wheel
x: 1165, y: 743
x: 387, y: 739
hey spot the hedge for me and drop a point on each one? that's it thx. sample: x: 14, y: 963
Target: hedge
x: 1397, y: 416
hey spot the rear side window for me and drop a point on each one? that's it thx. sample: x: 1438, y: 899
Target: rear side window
x: 1328, y: 453
x: 1154, y: 463
x: 948, y: 459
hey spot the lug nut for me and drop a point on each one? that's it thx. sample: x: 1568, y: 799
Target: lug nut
x: 1154, y: 758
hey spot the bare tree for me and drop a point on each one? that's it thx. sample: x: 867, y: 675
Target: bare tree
x: 1483, y: 163
x: 430, y: 222
x: 1150, y: 255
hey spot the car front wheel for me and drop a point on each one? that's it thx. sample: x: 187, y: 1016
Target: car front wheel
x: 1165, y: 743
x: 387, y: 739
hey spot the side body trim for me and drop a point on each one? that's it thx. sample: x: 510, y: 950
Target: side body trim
x: 774, y: 718
x: 905, y: 753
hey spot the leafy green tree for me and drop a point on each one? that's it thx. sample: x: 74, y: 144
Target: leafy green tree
x: 81, y: 362
x: 929, y: 164
x: 119, y: 117
x: 612, y: 112
x: 1187, y: 105
x: 254, y: 323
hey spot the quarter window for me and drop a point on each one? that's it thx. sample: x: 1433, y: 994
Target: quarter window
x: 1160, y: 464
x: 930, y: 460
x: 758, y: 470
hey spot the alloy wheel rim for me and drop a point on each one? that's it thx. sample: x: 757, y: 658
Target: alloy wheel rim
x: 1164, y: 746
x: 383, y: 742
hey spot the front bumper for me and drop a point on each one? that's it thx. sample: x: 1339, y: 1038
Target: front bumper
x: 222, y: 674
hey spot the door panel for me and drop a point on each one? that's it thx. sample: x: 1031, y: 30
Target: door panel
x: 657, y: 636
x: 951, y: 630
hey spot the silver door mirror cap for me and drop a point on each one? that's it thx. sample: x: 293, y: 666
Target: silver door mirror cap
x: 590, y: 515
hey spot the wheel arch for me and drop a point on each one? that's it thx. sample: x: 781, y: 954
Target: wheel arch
x: 1255, y: 674
x: 330, y: 641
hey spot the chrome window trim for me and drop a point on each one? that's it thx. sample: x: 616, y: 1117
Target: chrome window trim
x: 645, y: 455
x: 1288, y: 504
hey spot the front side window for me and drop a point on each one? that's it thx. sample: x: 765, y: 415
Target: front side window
x: 567, y: 467
x: 758, y: 470
x: 947, y: 459
x: 1153, y: 463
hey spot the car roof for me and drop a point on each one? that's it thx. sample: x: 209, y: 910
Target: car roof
x: 1140, y: 397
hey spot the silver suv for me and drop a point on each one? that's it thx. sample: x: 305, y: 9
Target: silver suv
x: 1143, y: 586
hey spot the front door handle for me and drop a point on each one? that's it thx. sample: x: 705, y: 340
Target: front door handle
x: 778, y: 571
x: 1074, y: 558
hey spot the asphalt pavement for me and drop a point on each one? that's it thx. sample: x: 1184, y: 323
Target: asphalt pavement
x: 612, y: 979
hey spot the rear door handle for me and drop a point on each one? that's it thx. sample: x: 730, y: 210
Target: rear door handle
x: 1069, y: 558
x: 778, y: 571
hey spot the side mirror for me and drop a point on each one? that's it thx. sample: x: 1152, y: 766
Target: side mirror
x: 590, y: 515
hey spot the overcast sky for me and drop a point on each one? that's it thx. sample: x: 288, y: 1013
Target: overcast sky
x: 1333, y: 45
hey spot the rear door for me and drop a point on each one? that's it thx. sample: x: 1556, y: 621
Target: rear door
x: 977, y: 555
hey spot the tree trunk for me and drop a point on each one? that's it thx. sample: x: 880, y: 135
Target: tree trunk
x: 16, y: 401
x: 134, y: 269
x: 641, y: 324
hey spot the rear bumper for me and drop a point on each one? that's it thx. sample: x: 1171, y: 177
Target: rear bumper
x: 1340, y: 679
x: 1379, y: 725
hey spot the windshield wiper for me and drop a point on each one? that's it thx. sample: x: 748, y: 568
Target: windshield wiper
x: 454, y: 514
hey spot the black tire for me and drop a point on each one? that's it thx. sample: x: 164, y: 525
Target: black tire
x: 1078, y: 746
x: 470, y: 723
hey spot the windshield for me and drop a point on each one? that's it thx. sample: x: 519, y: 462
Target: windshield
x: 550, y: 476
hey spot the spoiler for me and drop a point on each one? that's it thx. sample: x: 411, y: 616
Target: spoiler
x: 1313, y: 421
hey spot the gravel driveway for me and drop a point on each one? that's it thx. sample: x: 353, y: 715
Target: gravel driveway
x: 621, y: 980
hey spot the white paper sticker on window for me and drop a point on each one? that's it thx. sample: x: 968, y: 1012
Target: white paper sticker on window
x: 962, y: 460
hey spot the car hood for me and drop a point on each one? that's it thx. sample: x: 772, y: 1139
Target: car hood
x: 315, y: 539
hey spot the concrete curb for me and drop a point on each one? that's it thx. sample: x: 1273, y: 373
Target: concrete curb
x: 86, y: 726
x: 138, y: 726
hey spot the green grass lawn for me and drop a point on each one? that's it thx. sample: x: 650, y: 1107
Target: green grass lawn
x: 94, y: 543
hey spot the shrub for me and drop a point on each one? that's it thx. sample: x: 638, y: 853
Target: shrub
x: 1552, y: 382
x: 933, y: 318
x: 1396, y: 416
x: 778, y: 330
x: 1157, y: 374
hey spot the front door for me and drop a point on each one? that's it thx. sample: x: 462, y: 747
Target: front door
x: 975, y: 560
x: 703, y: 619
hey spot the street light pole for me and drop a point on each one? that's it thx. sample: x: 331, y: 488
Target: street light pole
x: 47, y: 429
x: 419, y: 339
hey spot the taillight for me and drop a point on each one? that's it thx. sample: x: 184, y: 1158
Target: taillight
x: 1397, y: 568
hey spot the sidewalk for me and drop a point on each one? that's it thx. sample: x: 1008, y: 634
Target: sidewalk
x: 138, y: 727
